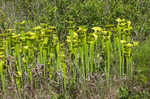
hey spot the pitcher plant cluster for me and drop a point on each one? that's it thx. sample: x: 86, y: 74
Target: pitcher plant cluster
x: 28, y: 54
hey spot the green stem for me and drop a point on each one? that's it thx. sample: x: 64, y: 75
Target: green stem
x: 2, y: 75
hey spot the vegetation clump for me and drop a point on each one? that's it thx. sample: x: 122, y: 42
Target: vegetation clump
x: 68, y: 49
x: 39, y: 53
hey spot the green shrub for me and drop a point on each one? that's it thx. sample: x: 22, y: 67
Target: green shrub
x: 141, y: 54
x: 141, y: 58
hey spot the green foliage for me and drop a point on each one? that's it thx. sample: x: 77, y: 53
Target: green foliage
x: 141, y: 53
x: 142, y: 62
x: 69, y: 41
x: 93, y: 12
x: 125, y: 93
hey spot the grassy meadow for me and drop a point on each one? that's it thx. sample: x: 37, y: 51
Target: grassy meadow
x: 74, y: 49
